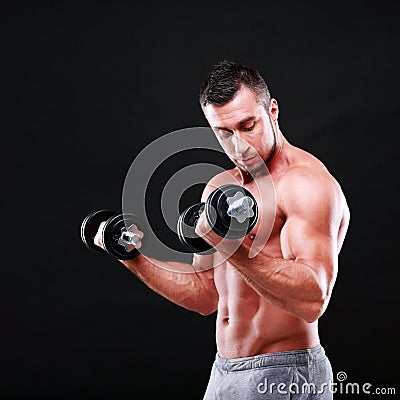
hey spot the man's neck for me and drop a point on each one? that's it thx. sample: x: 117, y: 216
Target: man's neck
x: 279, y: 161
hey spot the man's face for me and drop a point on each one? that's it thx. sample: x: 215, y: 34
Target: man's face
x: 243, y: 128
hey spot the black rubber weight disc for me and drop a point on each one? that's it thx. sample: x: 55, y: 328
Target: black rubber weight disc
x: 186, y: 230
x: 112, y: 232
x: 225, y: 226
x: 90, y: 226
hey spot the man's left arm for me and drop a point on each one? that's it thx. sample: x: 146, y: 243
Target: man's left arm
x: 301, y: 281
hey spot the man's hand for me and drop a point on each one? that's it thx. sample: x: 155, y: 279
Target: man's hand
x: 225, y: 246
x: 99, y: 235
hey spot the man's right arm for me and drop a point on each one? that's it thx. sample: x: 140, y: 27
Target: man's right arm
x: 194, y: 287
x: 193, y: 290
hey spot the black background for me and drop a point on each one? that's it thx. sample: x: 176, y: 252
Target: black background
x: 86, y: 86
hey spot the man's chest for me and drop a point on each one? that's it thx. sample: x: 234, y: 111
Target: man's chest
x: 265, y: 236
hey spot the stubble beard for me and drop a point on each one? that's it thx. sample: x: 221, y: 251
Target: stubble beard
x: 263, y: 167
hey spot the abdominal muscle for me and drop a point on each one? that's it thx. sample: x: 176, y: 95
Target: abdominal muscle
x: 248, y: 325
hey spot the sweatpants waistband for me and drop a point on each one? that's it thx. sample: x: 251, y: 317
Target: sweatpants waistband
x: 292, y: 358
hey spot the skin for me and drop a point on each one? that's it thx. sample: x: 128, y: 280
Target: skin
x: 271, y: 302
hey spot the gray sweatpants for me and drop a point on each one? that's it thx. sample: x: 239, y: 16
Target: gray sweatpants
x: 299, y: 374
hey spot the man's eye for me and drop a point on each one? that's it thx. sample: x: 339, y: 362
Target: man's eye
x: 248, y: 128
x: 225, y: 134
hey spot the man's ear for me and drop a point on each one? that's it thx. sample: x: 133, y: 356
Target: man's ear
x: 274, y: 110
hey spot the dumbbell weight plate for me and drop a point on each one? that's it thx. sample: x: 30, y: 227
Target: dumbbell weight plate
x: 90, y: 226
x: 223, y: 224
x: 186, y: 230
x: 112, y: 232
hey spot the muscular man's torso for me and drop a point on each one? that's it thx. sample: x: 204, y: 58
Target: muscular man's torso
x: 246, y: 323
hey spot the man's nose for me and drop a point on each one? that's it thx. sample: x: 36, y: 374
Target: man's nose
x: 240, y: 144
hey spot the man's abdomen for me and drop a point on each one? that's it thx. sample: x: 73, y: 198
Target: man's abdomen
x: 248, y: 325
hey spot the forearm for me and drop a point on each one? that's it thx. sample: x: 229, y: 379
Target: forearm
x: 192, y: 290
x: 288, y: 284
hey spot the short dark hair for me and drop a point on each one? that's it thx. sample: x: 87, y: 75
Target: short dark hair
x: 226, y: 79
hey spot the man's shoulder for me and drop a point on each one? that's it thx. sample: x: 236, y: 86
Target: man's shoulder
x: 306, y: 168
x: 305, y: 178
x: 308, y: 190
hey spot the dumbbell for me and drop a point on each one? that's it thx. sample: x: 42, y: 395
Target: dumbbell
x: 121, y: 236
x: 231, y: 211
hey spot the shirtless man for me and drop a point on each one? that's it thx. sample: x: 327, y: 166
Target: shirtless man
x: 269, y: 305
